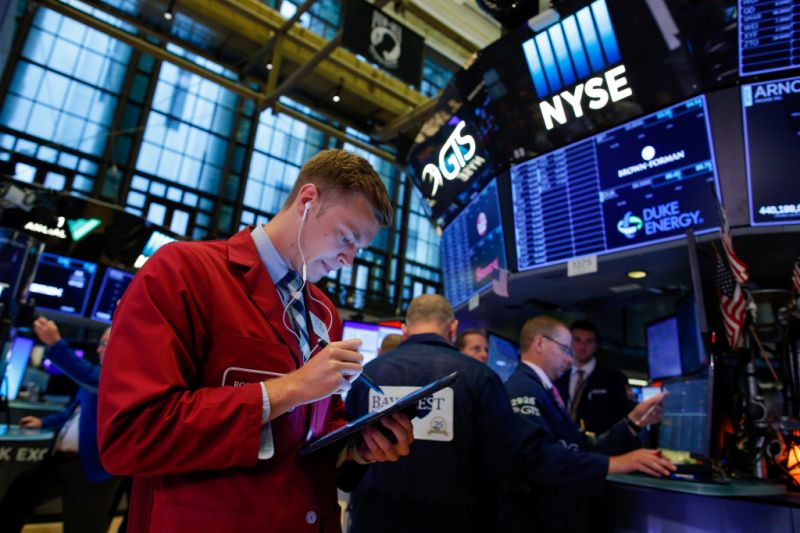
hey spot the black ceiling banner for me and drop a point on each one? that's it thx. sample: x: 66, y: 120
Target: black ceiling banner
x: 382, y: 40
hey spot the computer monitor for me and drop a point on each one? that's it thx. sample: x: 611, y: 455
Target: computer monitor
x: 693, y: 353
x: 113, y: 286
x: 371, y: 336
x: 686, y: 423
x: 156, y: 241
x: 503, y: 356
x: 12, y: 259
x: 62, y: 284
x: 663, y: 348
x: 16, y: 362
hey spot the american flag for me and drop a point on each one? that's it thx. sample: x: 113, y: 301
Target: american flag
x: 732, y: 302
x: 738, y: 267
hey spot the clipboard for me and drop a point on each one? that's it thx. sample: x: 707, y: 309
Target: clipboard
x: 407, y: 402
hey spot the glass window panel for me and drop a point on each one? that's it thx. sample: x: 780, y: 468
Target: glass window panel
x: 48, y: 154
x: 190, y: 172
x: 136, y: 199
x: 39, y: 46
x: 139, y: 183
x: 68, y: 160
x: 82, y: 183
x: 55, y: 181
x: 72, y: 31
x: 24, y: 172
x: 16, y: 112
x: 190, y: 199
x: 180, y: 222
x: 173, y: 194
x: 156, y: 213
x: 158, y: 189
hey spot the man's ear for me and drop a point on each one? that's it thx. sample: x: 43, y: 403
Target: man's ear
x: 453, y: 330
x: 307, y: 193
x: 405, y: 330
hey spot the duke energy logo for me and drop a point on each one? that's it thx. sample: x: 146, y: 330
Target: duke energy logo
x: 630, y: 225
x: 571, y: 51
x: 663, y: 218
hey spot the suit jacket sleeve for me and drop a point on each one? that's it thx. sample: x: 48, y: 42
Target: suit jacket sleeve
x: 152, y: 419
x: 615, y: 441
x: 85, y: 373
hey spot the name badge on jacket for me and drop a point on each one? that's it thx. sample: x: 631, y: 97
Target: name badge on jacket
x: 434, y: 420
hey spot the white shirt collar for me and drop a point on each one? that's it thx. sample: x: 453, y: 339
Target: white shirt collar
x: 539, y: 372
x: 588, y: 368
x: 273, y: 262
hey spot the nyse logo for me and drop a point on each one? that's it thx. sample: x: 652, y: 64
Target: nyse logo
x: 570, y: 52
x: 457, y: 160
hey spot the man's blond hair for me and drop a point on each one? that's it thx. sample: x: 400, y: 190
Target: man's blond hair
x: 540, y: 325
x: 430, y: 308
x: 339, y: 173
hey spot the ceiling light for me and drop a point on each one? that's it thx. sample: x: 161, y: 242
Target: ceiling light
x: 269, y: 66
x: 337, y: 93
x: 637, y: 274
x: 168, y: 14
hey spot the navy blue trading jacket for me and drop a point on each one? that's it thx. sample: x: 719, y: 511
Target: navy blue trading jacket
x: 453, y: 486
x: 556, y: 509
x: 87, y: 375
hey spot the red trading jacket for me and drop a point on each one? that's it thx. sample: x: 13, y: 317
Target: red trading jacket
x: 180, y: 405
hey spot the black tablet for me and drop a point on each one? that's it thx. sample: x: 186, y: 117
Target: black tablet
x: 408, y: 401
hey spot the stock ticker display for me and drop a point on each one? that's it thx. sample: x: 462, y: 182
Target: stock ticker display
x: 768, y: 36
x: 771, y: 115
x: 646, y: 181
x: 62, y: 284
x: 472, y: 247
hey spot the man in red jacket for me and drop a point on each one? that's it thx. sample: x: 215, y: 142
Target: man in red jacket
x: 217, y: 373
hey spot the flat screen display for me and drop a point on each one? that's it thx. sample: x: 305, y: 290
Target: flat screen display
x: 62, y: 284
x: 473, y: 247
x: 646, y: 181
x: 156, y: 241
x: 371, y: 336
x: 503, y: 356
x: 12, y: 258
x: 771, y: 114
x: 111, y: 290
x: 663, y: 348
x: 16, y: 364
x: 768, y: 32
x: 686, y: 423
x: 693, y: 353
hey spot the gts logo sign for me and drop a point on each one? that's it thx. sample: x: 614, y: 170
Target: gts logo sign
x: 456, y: 160
x: 598, y: 91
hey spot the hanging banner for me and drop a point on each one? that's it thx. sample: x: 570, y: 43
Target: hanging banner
x: 382, y: 40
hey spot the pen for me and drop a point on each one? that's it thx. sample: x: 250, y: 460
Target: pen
x: 650, y: 410
x: 363, y: 377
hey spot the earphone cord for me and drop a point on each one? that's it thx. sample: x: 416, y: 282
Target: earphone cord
x: 299, y: 294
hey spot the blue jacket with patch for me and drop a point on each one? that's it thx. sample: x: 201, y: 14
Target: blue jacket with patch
x: 557, y: 509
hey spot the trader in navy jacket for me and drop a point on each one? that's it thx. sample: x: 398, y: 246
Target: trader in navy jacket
x: 545, y: 354
x: 73, y: 471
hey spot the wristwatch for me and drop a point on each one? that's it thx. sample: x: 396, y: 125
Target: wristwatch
x: 633, y: 426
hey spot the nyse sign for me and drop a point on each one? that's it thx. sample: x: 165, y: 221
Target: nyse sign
x: 597, y: 92
x: 457, y: 160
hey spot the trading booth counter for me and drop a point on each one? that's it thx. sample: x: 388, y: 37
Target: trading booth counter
x: 20, y: 450
x: 639, y: 503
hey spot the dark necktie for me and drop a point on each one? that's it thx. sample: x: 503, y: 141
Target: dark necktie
x: 575, y: 400
x: 290, y: 285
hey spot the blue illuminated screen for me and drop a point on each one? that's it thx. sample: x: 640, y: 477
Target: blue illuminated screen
x: 62, y: 284
x: 16, y: 364
x: 772, y: 150
x: 768, y: 32
x: 371, y: 336
x: 686, y: 422
x: 473, y: 248
x: 663, y: 348
x: 111, y: 290
x: 646, y: 181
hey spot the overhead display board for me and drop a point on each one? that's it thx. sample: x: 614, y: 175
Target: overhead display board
x: 602, y: 64
x: 771, y: 115
x: 62, y: 284
x: 640, y: 183
x: 473, y: 247
x: 769, y: 36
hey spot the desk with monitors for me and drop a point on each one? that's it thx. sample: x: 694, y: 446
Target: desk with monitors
x: 768, y: 32
x: 62, y: 284
x: 645, y: 182
x: 473, y: 247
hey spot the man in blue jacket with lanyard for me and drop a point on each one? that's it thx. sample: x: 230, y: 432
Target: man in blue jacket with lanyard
x: 73, y: 471
x: 545, y: 354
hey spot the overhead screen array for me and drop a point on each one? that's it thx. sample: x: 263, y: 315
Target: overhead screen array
x: 771, y: 115
x: 646, y: 181
x: 768, y: 32
x: 473, y: 249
